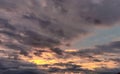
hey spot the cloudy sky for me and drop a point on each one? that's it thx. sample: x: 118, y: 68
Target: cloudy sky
x: 59, y: 35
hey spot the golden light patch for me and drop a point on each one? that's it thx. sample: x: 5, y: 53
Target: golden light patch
x: 44, y: 58
x: 95, y: 65
x: 42, y: 61
x: 70, y: 50
x: 50, y: 58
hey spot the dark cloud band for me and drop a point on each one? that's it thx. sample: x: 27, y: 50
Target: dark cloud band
x: 38, y: 23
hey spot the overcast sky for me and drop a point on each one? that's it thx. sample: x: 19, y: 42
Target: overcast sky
x: 89, y: 27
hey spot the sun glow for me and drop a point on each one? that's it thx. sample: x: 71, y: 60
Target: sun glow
x: 47, y: 57
x: 95, y: 65
x: 71, y: 50
x: 50, y: 58
x: 42, y: 62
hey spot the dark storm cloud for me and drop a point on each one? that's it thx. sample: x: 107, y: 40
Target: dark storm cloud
x: 25, y: 71
x: 13, y: 64
x: 57, y: 51
x: 49, y: 23
x: 10, y: 66
x: 69, y: 67
x: 106, y: 12
x: 108, y: 71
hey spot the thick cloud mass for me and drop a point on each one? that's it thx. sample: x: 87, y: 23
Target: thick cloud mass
x: 43, y: 23
x: 49, y: 23
x: 29, y: 24
x: 10, y: 66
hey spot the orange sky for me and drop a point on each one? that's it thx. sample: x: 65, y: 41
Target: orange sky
x: 85, y: 62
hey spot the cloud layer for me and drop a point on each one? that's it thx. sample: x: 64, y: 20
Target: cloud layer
x: 29, y: 24
x: 39, y: 23
x: 10, y: 66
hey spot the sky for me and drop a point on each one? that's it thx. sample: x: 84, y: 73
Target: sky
x: 59, y: 36
x: 100, y: 36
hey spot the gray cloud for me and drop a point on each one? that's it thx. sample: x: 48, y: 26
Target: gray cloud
x: 72, y: 68
x: 57, y: 51
x: 26, y: 24
x: 11, y: 66
x: 50, y: 23
x: 25, y: 71
x: 101, y: 53
x: 112, y: 47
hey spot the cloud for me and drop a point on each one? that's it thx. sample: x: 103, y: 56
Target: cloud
x: 108, y: 71
x: 112, y: 47
x: 27, y: 71
x: 10, y: 66
x: 67, y: 68
x: 28, y: 24
x: 105, y: 55
x: 57, y: 51
x: 72, y: 68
